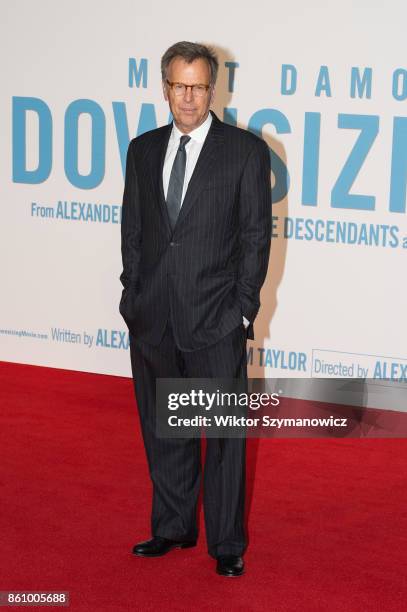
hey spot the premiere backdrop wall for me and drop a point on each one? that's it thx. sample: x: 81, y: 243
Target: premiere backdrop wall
x: 324, y: 83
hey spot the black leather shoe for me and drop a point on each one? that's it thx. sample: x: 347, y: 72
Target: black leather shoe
x: 157, y: 547
x: 230, y: 565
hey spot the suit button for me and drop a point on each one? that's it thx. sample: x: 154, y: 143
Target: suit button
x: 174, y: 244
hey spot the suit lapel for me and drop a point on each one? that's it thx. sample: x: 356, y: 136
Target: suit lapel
x: 157, y: 163
x: 203, y: 168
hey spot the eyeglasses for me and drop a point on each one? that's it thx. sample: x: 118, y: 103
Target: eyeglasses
x: 179, y: 89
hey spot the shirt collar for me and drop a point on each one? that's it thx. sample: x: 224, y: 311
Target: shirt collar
x: 198, y: 134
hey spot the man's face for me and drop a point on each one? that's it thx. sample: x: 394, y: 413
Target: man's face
x: 188, y: 110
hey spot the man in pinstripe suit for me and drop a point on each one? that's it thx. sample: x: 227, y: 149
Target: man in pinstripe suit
x: 196, y: 230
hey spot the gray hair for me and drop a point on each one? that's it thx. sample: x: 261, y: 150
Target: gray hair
x: 190, y: 52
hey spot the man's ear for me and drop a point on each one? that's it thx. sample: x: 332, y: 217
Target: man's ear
x: 212, y: 93
x: 165, y: 90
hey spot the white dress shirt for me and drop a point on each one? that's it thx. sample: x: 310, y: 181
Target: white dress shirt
x: 193, y: 149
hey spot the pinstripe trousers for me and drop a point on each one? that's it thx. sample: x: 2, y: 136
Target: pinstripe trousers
x: 175, y: 464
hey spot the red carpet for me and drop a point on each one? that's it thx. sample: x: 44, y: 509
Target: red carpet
x: 327, y: 523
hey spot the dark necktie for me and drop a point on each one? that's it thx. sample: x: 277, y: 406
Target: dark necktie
x: 175, y: 186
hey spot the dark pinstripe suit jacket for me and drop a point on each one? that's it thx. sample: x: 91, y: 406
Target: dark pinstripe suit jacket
x: 208, y: 272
